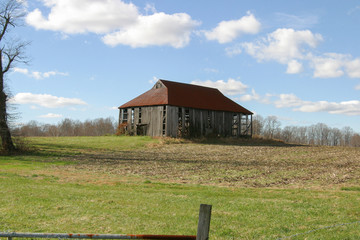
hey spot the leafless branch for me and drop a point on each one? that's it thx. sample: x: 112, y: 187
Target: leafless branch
x: 11, y: 14
x: 12, y: 53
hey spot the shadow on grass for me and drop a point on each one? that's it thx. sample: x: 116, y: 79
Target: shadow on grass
x: 244, y: 141
x: 25, y: 151
x: 59, y: 150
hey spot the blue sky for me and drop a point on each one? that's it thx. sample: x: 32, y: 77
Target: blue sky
x: 297, y: 60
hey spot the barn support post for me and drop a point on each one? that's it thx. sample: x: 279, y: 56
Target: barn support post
x: 238, y: 125
x: 204, y: 222
x: 223, y: 124
x: 183, y: 122
x: 121, y: 116
x: 247, y: 126
x: 201, y: 124
x: 251, y: 133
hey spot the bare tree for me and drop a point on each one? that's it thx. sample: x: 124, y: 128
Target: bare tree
x: 336, y: 137
x: 355, y: 140
x: 258, y: 125
x: 271, y: 127
x: 50, y: 130
x: 66, y: 127
x: 320, y: 134
x: 301, y: 136
x: 11, y: 51
x: 287, y: 134
x: 347, y: 132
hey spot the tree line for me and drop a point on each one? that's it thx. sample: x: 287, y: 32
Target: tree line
x: 268, y: 128
x: 316, y: 134
x: 67, y: 127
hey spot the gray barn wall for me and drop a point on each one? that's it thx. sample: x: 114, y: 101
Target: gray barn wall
x: 151, y: 119
x: 221, y: 123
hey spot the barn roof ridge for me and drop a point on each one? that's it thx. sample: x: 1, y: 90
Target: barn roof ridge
x: 191, y: 84
x: 185, y: 95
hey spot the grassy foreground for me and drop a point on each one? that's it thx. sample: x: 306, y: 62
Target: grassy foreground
x: 138, y: 185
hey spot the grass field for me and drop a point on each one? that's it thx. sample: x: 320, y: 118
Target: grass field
x: 136, y: 185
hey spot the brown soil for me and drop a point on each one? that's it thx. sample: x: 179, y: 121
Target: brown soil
x: 223, y: 164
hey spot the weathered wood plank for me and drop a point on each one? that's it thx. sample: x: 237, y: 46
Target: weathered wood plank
x: 204, y: 222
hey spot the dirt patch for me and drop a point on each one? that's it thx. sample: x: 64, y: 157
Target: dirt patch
x: 225, y: 165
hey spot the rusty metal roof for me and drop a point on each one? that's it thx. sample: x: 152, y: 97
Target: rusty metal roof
x: 185, y: 95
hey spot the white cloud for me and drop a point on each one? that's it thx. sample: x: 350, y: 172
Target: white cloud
x: 297, y: 21
x: 227, y: 31
x: 353, y: 10
x: 283, y: 45
x: 294, y: 67
x: 291, y: 101
x: 45, y: 100
x: 21, y: 70
x: 353, y: 68
x: 328, y: 66
x: 153, y: 80
x: 83, y: 16
x: 350, y: 108
x: 211, y: 70
x: 357, y: 87
x: 51, y: 115
x: 288, y: 100
x: 158, y: 29
x: 291, y: 47
x: 234, y: 50
x: 231, y: 87
x: 332, y: 65
x: 250, y: 97
x: 38, y: 75
x: 150, y: 8
x: 117, y: 21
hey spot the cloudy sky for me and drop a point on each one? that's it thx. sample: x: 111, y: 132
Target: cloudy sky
x: 297, y: 60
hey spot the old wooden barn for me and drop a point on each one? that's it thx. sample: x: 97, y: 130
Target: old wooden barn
x: 184, y: 110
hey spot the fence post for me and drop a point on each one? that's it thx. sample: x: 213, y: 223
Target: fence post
x: 204, y: 222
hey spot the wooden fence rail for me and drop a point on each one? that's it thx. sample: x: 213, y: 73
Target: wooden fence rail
x: 202, y: 232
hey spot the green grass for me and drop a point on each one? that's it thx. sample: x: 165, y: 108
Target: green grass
x: 76, y: 145
x: 38, y: 204
x: 29, y: 163
x: 41, y: 192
